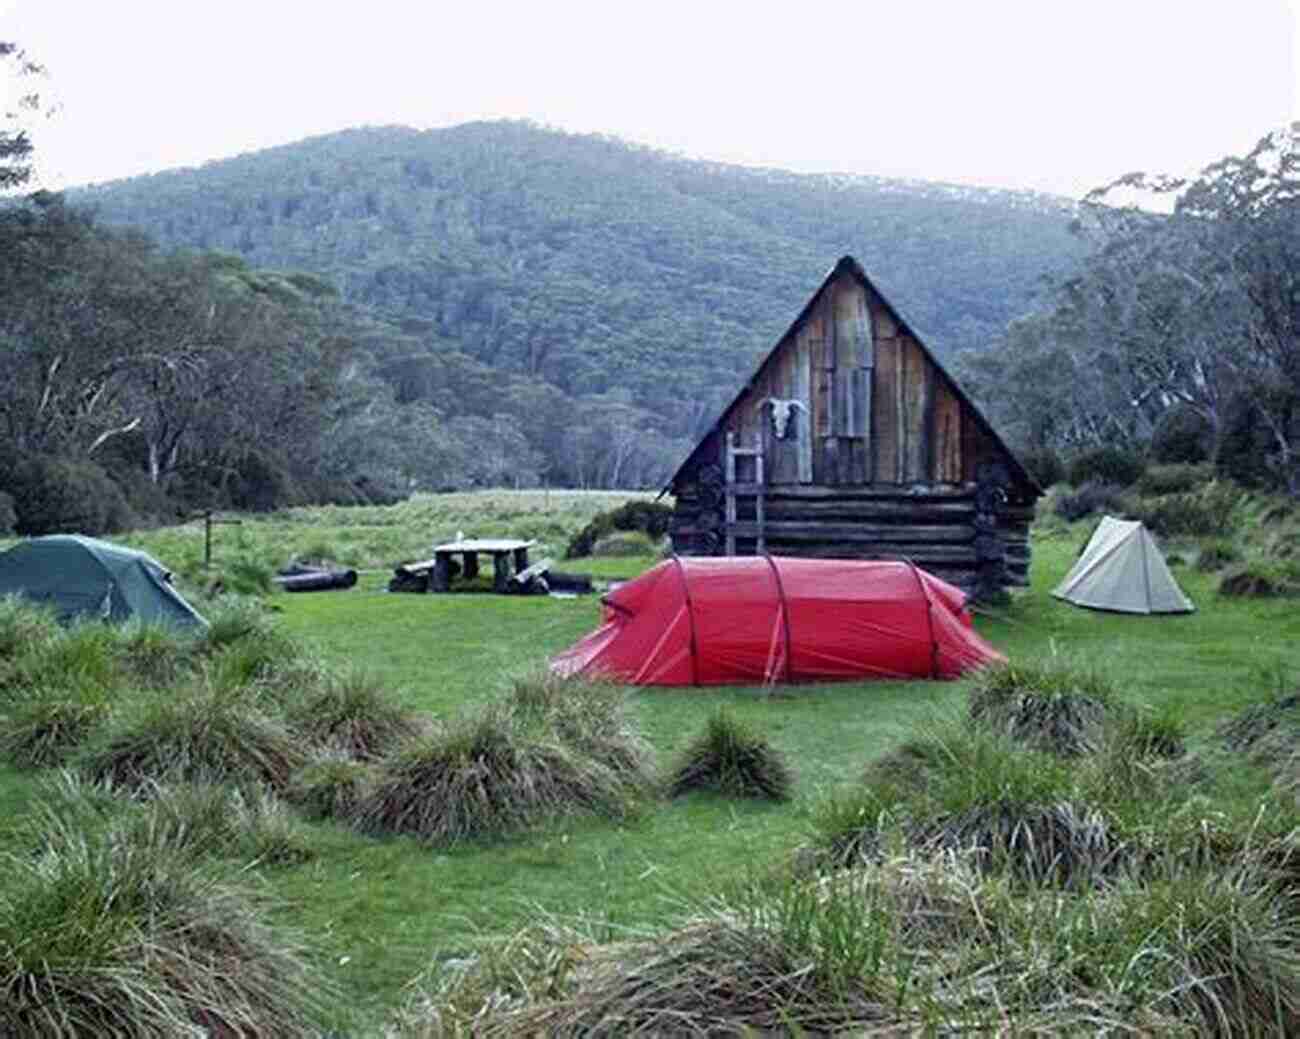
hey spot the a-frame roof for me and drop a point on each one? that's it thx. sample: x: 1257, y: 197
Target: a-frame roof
x: 848, y: 265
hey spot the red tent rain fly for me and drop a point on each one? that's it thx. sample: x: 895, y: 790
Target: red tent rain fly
x: 762, y: 619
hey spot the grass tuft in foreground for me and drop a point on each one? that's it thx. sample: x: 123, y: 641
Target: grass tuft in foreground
x: 911, y: 944
x: 201, y: 733
x: 731, y: 759
x: 113, y: 931
x: 590, y: 715
x: 42, y: 728
x: 353, y: 712
x: 332, y: 787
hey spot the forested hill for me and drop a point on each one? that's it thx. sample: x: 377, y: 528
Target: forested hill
x: 595, y: 265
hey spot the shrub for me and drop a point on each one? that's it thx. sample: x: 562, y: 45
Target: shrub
x: 1208, y: 512
x: 260, y: 483
x: 732, y: 760
x: 1044, y: 465
x: 1216, y: 553
x: 8, y: 517
x: 633, y: 543
x: 1106, y: 465
x: 352, y: 713
x: 1089, y: 499
x: 203, y: 733
x: 650, y: 518
x: 1259, y: 579
x: 1246, y: 447
x: 484, y: 776
x: 1182, y: 478
x: 113, y: 932
x: 1050, y: 705
x: 1181, y: 436
x: 57, y: 495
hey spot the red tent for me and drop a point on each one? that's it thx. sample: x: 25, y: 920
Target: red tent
x: 752, y: 620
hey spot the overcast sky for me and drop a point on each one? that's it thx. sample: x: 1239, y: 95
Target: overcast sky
x: 1055, y: 95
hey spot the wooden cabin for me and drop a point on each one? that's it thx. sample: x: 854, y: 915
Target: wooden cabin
x: 851, y: 441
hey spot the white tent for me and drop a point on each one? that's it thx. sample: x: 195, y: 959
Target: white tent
x: 1122, y: 569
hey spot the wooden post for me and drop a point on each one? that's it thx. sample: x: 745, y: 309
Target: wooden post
x: 500, y: 572
x: 761, y: 546
x: 471, y: 564
x: 729, y: 478
x: 208, y: 521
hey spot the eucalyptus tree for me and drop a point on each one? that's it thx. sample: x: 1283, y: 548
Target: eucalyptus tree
x: 18, y: 71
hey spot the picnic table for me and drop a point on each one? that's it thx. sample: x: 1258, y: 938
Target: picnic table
x: 504, y: 551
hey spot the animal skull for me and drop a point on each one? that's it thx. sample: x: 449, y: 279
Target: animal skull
x: 782, y: 412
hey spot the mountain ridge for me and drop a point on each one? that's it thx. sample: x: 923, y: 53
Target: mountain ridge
x: 596, y: 265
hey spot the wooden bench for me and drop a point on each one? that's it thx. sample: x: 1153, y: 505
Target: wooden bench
x: 531, y: 580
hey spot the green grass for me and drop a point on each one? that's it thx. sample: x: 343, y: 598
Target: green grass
x: 383, y: 908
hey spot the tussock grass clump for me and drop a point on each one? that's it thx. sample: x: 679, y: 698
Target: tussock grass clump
x: 911, y: 944
x: 487, y: 775
x: 197, y: 819
x: 1260, y: 579
x: 115, y: 932
x: 24, y: 626
x: 1142, y: 733
x: 202, y: 733
x: 42, y: 728
x: 81, y: 656
x: 1022, y: 813
x: 234, y: 618
x: 794, y: 958
x: 1269, y: 725
x: 354, y: 713
x: 154, y: 654
x: 331, y: 788
x: 1216, y: 949
x: 731, y: 759
x: 251, y: 825
x: 588, y: 714
x: 1048, y: 704
x: 1062, y: 844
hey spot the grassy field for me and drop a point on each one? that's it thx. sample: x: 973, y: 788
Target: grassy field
x: 384, y: 909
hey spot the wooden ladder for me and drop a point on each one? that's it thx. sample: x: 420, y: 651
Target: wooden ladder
x: 735, y: 490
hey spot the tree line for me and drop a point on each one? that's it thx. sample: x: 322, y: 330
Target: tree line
x: 1179, y: 334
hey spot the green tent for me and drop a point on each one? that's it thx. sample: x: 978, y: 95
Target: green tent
x: 82, y: 577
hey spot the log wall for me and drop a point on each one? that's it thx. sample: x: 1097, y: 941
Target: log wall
x: 934, y: 529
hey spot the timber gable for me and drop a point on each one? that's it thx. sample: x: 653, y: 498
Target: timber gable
x: 851, y: 440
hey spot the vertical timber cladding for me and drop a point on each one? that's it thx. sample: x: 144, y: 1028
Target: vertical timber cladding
x: 841, y: 351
